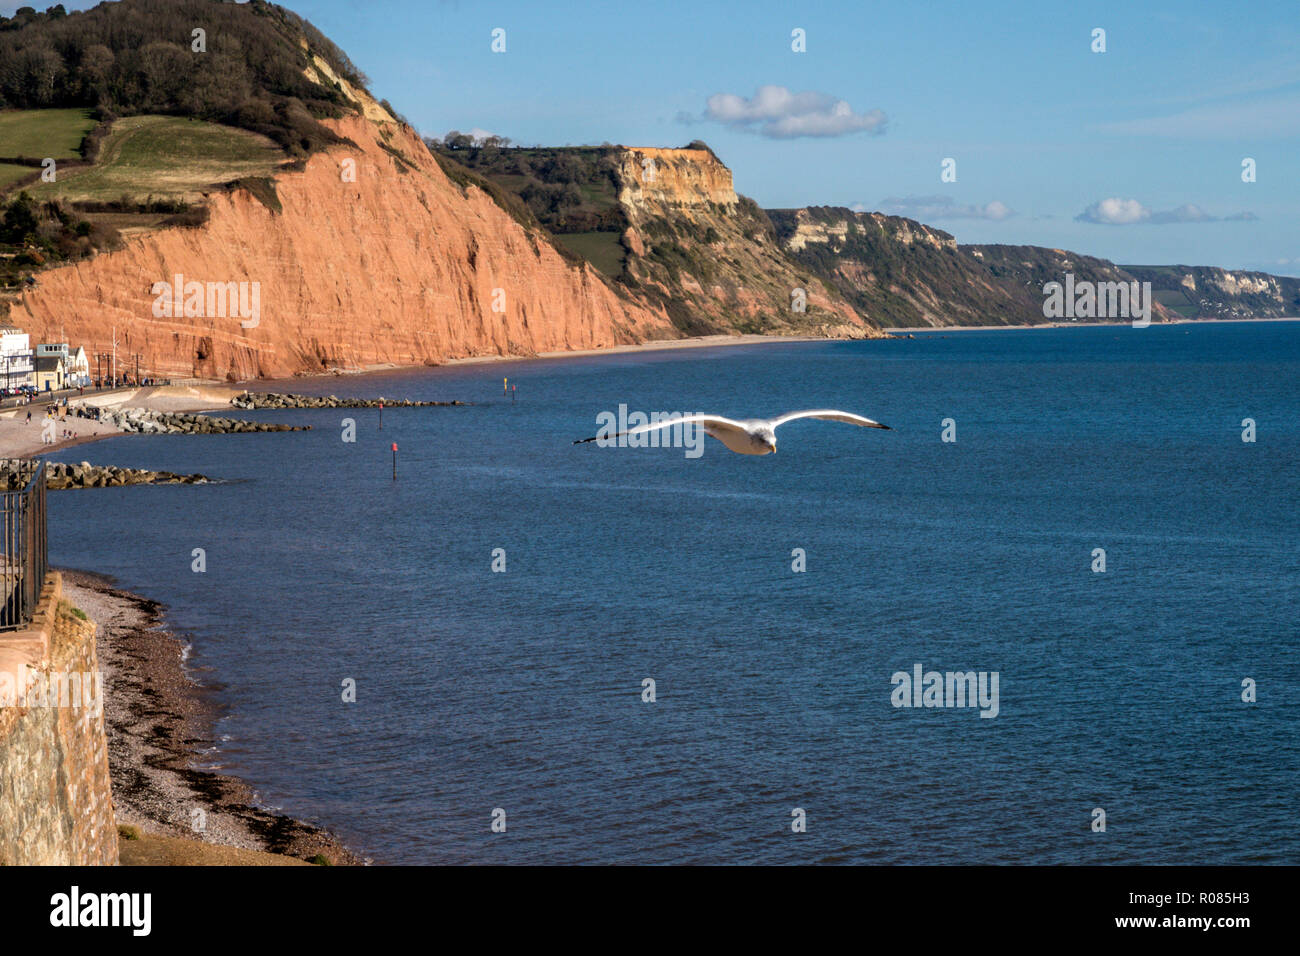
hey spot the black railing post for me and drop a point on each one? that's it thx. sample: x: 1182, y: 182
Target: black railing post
x: 25, y: 546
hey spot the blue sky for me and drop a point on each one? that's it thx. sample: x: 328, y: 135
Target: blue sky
x: 1134, y: 154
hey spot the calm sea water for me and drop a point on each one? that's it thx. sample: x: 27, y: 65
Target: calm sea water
x: 522, y: 690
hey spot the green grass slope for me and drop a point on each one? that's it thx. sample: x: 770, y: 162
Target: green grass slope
x: 164, y: 157
x: 38, y: 134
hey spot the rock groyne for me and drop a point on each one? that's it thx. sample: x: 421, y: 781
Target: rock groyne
x: 16, y: 472
x: 254, y: 400
x: 176, y: 423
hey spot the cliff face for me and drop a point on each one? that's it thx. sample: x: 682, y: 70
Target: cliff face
x: 659, y: 182
x: 399, y: 266
x: 805, y: 226
x: 711, y: 258
x: 898, y: 272
x: 1032, y: 267
x: 1198, y: 292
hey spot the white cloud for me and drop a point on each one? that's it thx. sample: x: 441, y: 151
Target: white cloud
x: 1115, y: 212
x: 1127, y: 212
x: 1187, y: 212
x: 777, y: 113
x: 997, y: 210
x: 925, y: 208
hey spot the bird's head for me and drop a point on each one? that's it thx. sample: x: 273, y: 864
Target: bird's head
x: 768, y: 439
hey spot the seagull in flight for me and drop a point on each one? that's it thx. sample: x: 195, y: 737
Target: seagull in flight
x: 750, y: 436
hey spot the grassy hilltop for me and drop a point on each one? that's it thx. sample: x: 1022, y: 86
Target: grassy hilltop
x: 142, y: 120
x: 167, y: 157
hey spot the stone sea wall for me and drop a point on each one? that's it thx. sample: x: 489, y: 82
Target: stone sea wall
x: 56, y: 804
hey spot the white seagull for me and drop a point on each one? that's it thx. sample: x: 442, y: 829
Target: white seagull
x: 750, y: 436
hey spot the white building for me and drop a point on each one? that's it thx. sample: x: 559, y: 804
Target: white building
x: 78, y: 367
x: 16, y: 364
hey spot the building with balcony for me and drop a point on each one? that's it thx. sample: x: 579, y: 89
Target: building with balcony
x: 16, y: 360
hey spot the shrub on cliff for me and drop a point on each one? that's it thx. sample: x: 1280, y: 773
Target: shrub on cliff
x: 40, y: 233
x: 566, y: 189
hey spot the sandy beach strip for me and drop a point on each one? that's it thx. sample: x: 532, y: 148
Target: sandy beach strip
x: 159, y: 721
x: 657, y: 345
x: 20, y: 438
x: 661, y: 345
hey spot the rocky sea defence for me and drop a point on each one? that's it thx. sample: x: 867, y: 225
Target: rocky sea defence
x: 15, y: 472
x: 254, y: 400
x: 145, y: 421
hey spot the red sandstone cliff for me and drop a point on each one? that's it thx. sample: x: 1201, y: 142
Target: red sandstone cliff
x: 399, y: 266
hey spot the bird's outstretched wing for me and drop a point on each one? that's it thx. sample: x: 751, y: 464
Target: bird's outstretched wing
x: 711, y: 423
x: 828, y: 415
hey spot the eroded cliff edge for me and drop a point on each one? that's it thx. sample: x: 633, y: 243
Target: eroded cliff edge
x: 712, y: 258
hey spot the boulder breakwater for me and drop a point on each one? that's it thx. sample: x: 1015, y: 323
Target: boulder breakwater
x: 16, y: 472
x: 254, y: 400
x: 145, y: 421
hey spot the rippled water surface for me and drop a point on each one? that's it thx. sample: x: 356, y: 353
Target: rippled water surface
x: 522, y: 690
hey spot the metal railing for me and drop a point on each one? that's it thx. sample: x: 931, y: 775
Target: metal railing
x: 24, y: 558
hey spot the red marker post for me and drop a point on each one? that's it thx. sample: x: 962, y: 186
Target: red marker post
x: 394, y: 461
x: 381, y: 418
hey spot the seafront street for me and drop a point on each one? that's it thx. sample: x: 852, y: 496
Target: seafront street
x: 21, y: 438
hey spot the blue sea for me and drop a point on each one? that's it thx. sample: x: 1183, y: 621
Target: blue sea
x: 522, y: 690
